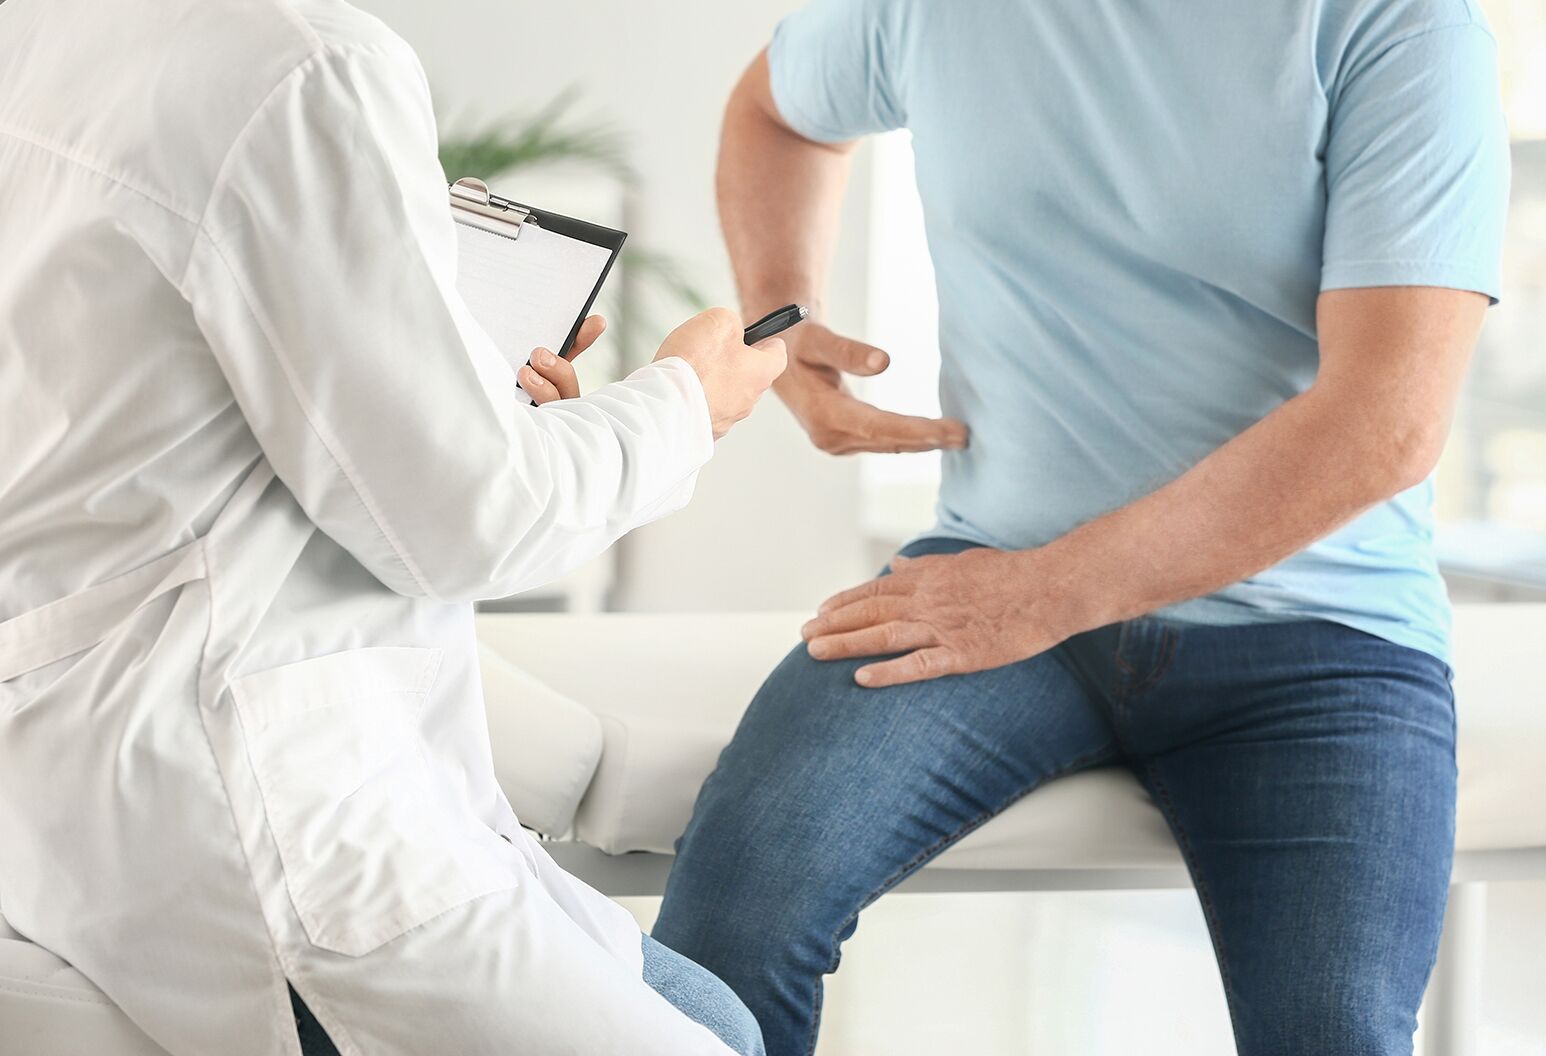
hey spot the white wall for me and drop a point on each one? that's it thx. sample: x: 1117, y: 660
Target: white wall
x: 773, y: 523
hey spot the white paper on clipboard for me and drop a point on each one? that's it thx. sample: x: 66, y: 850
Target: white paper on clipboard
x: 526, y: 292
x: 525, y: 284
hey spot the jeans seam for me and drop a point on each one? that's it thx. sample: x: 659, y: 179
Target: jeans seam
x: 1204, y: 896
x: 918, y: 860
x: 1116, y: 653
x: 1167, y: 657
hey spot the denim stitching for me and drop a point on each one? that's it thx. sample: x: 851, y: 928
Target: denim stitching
x: 1168, y: 644
x: 1116, y: 652
x: 1204, y: 897
x: 1088, y: 759
x: 1449, y: 887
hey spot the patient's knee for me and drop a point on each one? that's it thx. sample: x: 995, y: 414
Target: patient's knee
x: 1355, y: 1020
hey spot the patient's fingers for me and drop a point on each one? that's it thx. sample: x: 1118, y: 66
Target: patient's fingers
x: 866, y: 612
x: 873, y: 589
x: 892, y: 637
x: 918, y: 666
x: 825, y: 348
x: 887, y: 431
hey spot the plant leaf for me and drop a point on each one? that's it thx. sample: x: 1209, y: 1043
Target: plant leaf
x: 546, y: 137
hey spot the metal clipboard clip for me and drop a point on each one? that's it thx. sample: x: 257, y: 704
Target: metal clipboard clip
x: 474, y: 204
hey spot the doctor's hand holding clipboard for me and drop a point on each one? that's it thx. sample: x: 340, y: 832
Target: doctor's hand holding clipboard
x: 530, y: 276
x: 548, y: 377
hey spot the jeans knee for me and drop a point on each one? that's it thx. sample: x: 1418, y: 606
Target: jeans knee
x: 1359, y: 1021
x: 754, y: 927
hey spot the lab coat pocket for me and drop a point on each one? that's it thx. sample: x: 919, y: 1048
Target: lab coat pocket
x: 371, y: 843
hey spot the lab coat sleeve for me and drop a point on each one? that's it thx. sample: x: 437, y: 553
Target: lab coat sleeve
x: 323, y: 277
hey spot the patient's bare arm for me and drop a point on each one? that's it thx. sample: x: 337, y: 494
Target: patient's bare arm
x: 779, y: 200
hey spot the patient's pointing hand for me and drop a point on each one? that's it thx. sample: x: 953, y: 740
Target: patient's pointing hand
x: 838, y: 422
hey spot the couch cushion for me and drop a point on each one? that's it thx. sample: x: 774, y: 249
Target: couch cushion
x: 670, y: 689
x: 1500, y: 704
x: 546, y: 747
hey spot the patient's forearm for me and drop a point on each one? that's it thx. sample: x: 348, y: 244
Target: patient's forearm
x: 780, y: 196
x: 1373, y: 424
x: 1297, y: 475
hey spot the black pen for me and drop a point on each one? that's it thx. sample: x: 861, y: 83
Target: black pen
x: 775, y: 323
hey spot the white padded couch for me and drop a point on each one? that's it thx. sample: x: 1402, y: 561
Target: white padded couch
x: 653, y: 698
x: 605, y: 726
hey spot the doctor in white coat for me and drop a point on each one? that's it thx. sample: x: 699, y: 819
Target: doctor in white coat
x: 256, y: 463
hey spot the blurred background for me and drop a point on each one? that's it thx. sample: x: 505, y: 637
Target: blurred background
x: 610, y: 111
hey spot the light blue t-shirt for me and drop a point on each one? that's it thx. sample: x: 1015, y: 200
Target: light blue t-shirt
x: 1132, y: 206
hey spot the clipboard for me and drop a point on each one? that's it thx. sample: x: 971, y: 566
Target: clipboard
x: 529, y: 276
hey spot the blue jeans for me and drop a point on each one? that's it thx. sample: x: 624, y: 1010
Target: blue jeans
x: 1307, y: 771
x: 696, y: 994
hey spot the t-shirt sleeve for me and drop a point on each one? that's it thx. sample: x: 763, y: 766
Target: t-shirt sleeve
x: 1417, y: 167
x: 835, y: 69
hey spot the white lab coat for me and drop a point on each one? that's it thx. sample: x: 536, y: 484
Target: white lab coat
x: 256, y: 462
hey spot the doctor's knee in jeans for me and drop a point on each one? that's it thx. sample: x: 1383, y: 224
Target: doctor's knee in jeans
x: 702, y: 997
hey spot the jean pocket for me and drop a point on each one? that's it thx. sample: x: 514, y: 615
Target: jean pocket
x: 371, y: 842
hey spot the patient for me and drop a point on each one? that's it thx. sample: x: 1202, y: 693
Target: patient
x: 1208, y: 287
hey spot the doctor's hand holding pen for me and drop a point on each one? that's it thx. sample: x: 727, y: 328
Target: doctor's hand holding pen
x: 734, y: 375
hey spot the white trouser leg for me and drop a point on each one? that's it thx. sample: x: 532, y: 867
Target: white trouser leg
x: 508, y: 974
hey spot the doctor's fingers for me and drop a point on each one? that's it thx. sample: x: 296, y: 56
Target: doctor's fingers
x: 537, y: 387
x: 773, y: 357
x: 593, y: 327
x: 548, y: 377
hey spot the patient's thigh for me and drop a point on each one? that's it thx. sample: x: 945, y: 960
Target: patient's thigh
x: 847, y: 789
